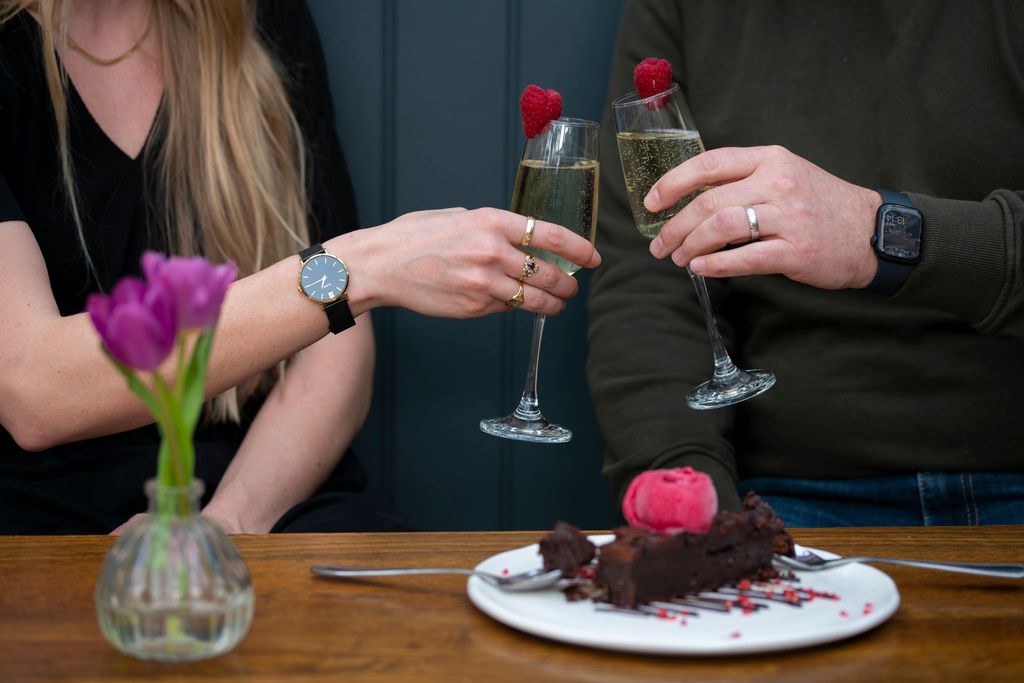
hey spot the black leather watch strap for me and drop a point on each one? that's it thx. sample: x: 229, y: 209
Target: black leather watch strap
x: 338, y: 312
x: 339, y: 315
x: 311, y: 251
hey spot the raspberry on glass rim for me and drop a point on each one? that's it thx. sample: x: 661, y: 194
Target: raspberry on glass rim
x: 651, y: 77
x: 539, y: 107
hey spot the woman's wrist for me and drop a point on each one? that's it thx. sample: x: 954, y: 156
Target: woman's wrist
x: 358, y: 251
x: 229, y: 519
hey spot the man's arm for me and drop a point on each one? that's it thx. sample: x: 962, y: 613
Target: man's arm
x: 972, y: 263
x: 648, y: 343
x: 816, y: 229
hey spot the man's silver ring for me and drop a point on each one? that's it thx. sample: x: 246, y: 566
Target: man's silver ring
x: 755, y: 232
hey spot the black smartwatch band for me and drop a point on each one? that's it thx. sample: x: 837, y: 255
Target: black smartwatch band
x: 897, y: 198
x: 338, y: 312
x: 890, y: 275
x: 888, y: 278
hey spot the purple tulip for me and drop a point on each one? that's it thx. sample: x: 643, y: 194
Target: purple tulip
x: 196, y: 286
x: 136, y: 322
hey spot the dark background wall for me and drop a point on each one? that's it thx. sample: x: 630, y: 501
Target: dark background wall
x: 426, y: 93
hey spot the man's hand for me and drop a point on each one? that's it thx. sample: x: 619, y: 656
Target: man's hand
x: 814, y: 227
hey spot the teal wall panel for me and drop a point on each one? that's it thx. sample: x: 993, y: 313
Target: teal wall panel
x: 427, y: 110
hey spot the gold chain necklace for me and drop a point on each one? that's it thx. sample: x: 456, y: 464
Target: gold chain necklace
x: 114, y: 60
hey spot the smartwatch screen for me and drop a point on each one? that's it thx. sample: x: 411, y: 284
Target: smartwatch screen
x: 901, y: 233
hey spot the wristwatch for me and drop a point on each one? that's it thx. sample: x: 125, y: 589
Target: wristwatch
x: 897, y: 241
x: 323, y: 279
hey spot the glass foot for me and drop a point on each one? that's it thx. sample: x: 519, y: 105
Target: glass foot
x: 717, y: 393
x: 537, y: 430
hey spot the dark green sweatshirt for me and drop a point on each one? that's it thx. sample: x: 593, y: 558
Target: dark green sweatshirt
x: 922, y: 97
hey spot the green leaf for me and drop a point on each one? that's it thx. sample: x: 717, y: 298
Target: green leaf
x: 136, y: 385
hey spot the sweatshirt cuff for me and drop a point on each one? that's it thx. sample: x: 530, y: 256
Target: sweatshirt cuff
x: 963, y: 265
x: 722, y: 477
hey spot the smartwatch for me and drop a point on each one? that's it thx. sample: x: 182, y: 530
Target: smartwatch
x: 896, y: 242
x: 323, y: 279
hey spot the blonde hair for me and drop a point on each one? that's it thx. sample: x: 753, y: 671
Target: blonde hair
x: 227, y: 150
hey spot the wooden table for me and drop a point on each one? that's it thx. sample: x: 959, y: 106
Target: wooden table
x: 948, y: 627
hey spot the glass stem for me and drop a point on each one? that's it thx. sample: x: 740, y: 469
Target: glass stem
x: 529, y: 404
x: 725, y: 370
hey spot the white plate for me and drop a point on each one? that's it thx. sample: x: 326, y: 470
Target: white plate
x: 867, y: 598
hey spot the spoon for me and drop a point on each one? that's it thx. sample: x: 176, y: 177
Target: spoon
x: 532, y: 580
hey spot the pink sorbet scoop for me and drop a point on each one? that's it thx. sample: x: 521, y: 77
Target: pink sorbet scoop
x: 671, y: 501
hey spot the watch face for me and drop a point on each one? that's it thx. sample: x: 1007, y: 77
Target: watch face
x: 900, y: 238
x: 323, y: 278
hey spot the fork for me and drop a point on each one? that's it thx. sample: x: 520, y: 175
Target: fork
x: 808, y: 561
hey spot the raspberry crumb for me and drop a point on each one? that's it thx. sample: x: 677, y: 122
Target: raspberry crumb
x: 868, y: 608
x: 843, y: 613
x: 735, y: 634
x: 504, y: 572
x: 744, y: 585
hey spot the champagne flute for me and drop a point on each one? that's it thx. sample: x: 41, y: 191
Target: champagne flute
x: 655, y: 135
x: 556, y: 182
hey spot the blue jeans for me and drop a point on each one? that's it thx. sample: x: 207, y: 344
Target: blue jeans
x: 925, y: 498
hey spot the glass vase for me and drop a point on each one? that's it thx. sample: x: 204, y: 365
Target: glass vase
x: 173, y: 587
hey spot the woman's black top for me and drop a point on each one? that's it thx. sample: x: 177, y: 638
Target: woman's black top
x: 93, y: 486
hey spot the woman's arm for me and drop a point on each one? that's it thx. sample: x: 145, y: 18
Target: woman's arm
x: 56, y: 386
x: 306, y: 424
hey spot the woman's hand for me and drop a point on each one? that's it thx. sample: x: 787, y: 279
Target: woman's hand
x: 132, y: 521
x: 226, y: 523
x: 456, y: 263
x: 814, y: 227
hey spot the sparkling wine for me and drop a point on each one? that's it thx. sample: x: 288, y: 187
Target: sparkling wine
x: 648, y: 155
x: 562, y: 194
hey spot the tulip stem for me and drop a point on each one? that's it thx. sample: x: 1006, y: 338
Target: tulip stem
x: 169, y: 424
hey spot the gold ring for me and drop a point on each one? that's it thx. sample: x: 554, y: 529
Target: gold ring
x: 530, y: 267
x: 530, y: 222
x: 517, y: 300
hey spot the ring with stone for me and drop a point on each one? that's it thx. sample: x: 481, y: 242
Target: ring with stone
x: 530, y: 267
